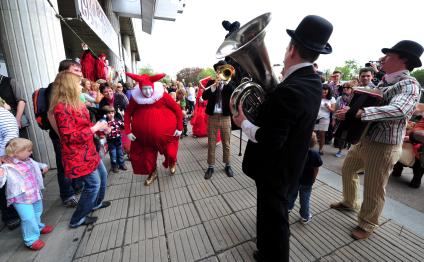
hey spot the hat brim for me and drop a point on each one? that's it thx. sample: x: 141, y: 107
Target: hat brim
x: 326, y: 50
x: 415, y: 61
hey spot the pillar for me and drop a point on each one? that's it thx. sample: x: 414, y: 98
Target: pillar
x: 31, y: 37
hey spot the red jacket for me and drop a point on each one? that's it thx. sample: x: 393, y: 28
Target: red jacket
x: 79, y: 155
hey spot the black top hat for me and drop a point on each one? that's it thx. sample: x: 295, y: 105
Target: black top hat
x: 313, y: 33
x: 412, y: 50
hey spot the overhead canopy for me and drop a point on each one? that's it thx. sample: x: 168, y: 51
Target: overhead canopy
x: 148, y: 10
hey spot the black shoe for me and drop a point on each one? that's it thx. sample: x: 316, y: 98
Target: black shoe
x: 103, y: 205
x: 88, y: 221
x: 115, y: 169
x: 396, y: 173
x: 415, y: 183
x: 123, y: 167
x: 258, y: 257
x: 13, y: 223
x: 209, y: 172
x: 229, y: 171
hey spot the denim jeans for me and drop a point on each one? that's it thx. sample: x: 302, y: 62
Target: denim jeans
x: 101, y: 169
x: 116, y: 152
x: 304, y: 197
x: 65, y: 184
x: 31, y: 225
x: 89, y: 195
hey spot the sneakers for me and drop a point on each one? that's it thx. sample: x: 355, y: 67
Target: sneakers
x: 71, y: 202
x: 306, y: 220
x: 46, y: 229
x: 104, y: 204
x: 339, y: 154
x: 13, y: 223
x: 37, y: 245
x: 88, y: 221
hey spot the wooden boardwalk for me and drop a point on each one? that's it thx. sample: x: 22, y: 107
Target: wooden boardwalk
x: 186, y: 218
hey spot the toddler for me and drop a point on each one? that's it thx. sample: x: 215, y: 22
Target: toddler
x: 114, y: 140
x: 310, y: 172
x: 23, y: 191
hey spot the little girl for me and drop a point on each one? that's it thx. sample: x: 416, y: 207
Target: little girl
x: 23, y: 191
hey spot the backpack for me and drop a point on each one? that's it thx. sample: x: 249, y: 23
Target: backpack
x: 39, y: 101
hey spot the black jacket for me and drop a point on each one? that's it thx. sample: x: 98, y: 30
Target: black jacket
x: 286, y: 120
x: 226, y: 92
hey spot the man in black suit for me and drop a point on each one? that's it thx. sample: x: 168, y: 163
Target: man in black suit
x: 218, y: 95
x: 278, y: 145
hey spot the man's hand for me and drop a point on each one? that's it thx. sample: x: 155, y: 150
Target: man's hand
x: 341, y: 114
x: 131, y: 137
x: 240, y: 117
x: 178, y: 132
x: 45, y: 170
x: 359, y: 113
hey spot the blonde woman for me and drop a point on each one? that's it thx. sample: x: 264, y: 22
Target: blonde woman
x: 79, y: 156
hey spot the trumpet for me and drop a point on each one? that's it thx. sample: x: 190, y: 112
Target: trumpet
x: 226, y: 72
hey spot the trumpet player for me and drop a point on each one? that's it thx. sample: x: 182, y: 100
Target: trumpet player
x: 218, y: 93
x: 278, y: 146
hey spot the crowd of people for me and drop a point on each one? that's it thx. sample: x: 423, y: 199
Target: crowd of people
x: 303, y: 111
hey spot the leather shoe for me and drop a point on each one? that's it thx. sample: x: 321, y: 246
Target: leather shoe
x: 229, y: 171
x: 173, y: 169
x: 258, y: 257
x: 360, y: 234
x: 341, y: 207
x: 209, y: 172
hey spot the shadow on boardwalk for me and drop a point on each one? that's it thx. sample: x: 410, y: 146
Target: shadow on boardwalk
x: 186, y: 218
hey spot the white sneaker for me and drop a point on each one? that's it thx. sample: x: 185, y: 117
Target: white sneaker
x: 306, y: 221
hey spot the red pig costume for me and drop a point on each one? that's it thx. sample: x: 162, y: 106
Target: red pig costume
x: 156, y: 122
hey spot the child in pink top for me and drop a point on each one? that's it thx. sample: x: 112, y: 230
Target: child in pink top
x: 24, y: 184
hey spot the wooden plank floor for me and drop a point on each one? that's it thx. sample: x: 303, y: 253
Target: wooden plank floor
x: 187, y: 218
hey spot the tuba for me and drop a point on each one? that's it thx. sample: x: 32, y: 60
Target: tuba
x: 246, y: 46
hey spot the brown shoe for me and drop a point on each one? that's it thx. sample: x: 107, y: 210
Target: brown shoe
x: 173, y: 169
x: 341, y: 207
x: 360, y: 234
x: 151, y: 178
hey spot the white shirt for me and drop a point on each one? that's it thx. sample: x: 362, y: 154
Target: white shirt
x: 191, y: 96
x: 248, y: 127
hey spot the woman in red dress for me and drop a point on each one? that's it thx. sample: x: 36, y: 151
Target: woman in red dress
x: 199, y: 121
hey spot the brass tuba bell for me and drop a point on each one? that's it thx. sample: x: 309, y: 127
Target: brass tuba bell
x: 246, y: 46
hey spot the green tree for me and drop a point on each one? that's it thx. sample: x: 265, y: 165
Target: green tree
x: 188, y: 74
x: 349, y: 70
x: 419, y: 75
x: 205, y: 73
x: 146, y: 70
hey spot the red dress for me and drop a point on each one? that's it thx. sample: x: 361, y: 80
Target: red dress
x: 153, y: 125
x: 79, y: 155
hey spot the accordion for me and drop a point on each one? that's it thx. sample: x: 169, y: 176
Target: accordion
x: 352, y: 128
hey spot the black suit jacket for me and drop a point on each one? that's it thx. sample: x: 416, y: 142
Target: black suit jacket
x: 226, y: 92
x: 286, y: 120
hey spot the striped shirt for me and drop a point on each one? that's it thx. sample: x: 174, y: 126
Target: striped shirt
x: 8, y: 129
x: 399, y: 100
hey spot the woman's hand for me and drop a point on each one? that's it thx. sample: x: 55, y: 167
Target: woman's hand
x: 99, y: 126
x: 341, y: 114
x: 45, y: 170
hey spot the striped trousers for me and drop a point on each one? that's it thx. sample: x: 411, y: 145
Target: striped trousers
x: 377, y: 159
x: 223, y: 124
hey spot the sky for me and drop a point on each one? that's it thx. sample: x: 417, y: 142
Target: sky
x: 361, y: 29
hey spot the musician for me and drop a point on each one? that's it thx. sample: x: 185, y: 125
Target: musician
x: 218, y: 93
x: 278, y: 146
x: 380, y: 147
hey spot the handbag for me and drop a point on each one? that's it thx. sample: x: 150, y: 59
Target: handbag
x: 407, y: 156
